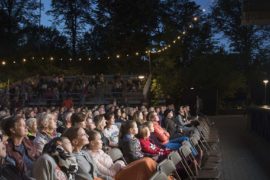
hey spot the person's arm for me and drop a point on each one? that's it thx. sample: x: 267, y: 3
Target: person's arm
x: 104, y: 169
x: 161, y: 134
x: 146, y: 147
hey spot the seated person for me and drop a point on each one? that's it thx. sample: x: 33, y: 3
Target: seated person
x: 118, y: 170
x: 56, y: 162
x: 150, y: 148
x: 7, y: 168
x: 19, y: 148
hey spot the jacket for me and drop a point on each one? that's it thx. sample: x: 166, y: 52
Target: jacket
x: 30, y: 150
x: 161, y: 133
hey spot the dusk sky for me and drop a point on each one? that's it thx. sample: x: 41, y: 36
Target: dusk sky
x: 45, y: 19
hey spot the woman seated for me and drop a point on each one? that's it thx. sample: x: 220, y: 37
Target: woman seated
x: 118, y: 170
x: 87, y: 168
x: 56, y: 162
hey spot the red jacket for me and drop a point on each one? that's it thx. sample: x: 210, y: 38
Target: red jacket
x: 150, y: 148
x: 161, y: 133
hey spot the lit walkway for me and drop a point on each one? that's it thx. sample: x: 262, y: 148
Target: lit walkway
x: 245, y: 155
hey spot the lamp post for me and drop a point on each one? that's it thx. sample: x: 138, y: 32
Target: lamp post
x: 265, y: 86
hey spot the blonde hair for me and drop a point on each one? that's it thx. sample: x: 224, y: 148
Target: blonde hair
x: 143, y: 131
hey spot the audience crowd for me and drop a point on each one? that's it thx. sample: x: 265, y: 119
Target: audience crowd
x: 76, y: 142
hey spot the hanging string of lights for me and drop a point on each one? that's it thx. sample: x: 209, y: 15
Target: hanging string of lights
x: 159, y: 50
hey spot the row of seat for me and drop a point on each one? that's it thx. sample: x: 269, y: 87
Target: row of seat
x: 183, y: 164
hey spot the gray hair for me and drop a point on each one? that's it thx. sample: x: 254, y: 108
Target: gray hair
x: 43, y: 120
x: 30, y: 121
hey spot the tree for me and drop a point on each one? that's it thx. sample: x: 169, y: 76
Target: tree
x: 246, y: 40
x: 74, y: 16
x: 14, y: 17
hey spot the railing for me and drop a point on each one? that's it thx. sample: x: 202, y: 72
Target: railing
x: 259, y: 117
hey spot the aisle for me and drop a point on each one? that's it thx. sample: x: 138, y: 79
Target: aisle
x: 245, y: 155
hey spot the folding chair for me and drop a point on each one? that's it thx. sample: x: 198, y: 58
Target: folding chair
x: 116, y: 154
x: 167, y: 166
x: 186, y: 153
x: 159, y: 176
x: 211, y: 162
x: 176, y: 159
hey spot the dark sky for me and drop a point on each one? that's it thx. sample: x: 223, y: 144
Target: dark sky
x: 45, y: 19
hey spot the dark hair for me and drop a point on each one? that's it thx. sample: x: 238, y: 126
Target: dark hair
x: 10, y: 123
x: 98, y: 119
x: 109, y: 115
x: 71, y: 133
x: 125, y: 128
x: 92, y: 134
x: 136, y: 118
x: 77, y: 118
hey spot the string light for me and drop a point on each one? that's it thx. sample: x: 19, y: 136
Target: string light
x: 159, y: 50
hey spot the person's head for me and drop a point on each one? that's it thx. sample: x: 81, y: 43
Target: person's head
x: 90, y: 123
x: 117, y: 113
x: 3, y: 142
x: 56, y: 143
x: 31, y: 124
x: 77, y: 137
x: 138, y: 117
x: 130, y: 127
x: 95, y: 142
x: 100, y: 122
x: 15, y: 127
x: 67, y: 119
x: 78, y: 119
x: 150, y: 125
x: 168, y: 114
x: 110, y: 118
x: 46, y: 122
x: 186, y: 109
x: 181, y: 110
x: 153, y: 116
x: 144, y: 132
